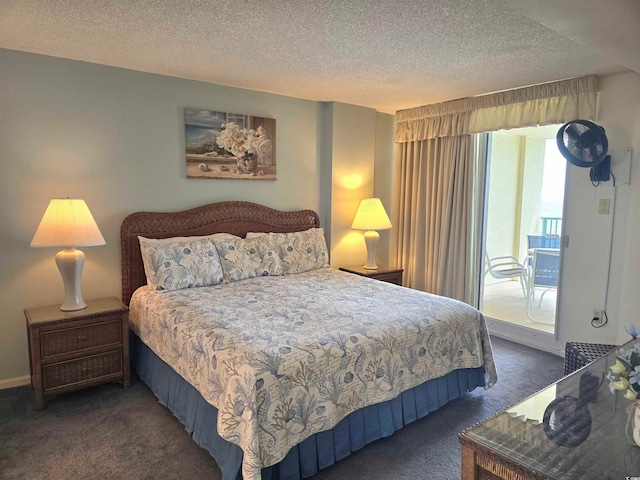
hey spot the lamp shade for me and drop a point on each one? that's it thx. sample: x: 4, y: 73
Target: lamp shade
x: 67, y: 222
x: 371, y: 216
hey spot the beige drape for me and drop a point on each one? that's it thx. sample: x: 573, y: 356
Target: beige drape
x: 435, y: 211
x: 432, y: 222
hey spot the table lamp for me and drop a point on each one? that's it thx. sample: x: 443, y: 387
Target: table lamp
x: 371, y: 216
x: 68, y: 223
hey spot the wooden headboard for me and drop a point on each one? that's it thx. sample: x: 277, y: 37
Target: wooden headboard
x: 237, y: 218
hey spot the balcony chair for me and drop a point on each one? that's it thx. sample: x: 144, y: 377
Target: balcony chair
x: 507, y: 267
x: 543, y: 275
x: 539, y: 241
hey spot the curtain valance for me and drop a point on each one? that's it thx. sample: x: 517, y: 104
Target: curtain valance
x: 544, y: 104
x: 449, y: 119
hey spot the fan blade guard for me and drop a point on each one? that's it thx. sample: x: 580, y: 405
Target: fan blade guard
x: 582, y: 143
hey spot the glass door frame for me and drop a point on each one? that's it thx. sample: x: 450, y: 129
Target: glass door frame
x: 500, y: 327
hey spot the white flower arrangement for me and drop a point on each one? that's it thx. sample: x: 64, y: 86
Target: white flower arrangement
x: 625, y: 373
x: 242, y: 142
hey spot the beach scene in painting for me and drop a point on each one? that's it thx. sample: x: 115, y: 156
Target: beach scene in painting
x: 229, y: 145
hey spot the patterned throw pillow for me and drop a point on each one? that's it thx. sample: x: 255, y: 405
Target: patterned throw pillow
x: 174, y: 264
x: 247, y: 258
x: 302, y: 251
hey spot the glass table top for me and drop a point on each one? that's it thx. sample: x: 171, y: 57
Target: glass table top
x: 573, y: 429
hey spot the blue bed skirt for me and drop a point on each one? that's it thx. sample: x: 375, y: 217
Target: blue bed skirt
x: 316, y: 452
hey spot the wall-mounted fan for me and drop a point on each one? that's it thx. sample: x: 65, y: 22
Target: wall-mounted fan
x: 583, y: 143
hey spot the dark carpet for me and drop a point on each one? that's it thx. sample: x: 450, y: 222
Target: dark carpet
x: 107, y: 432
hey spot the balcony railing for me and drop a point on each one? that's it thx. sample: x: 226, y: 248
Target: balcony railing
x: 551, y: 226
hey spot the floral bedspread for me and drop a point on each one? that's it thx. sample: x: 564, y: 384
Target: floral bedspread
x: 282, y: 358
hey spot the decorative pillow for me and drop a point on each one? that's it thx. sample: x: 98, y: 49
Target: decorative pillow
x: 247, y: 258
x: 180, y: 262
x: 302, y: 251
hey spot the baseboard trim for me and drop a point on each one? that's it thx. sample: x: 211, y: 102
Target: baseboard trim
x: 526, y: 336
x: 15, y: 382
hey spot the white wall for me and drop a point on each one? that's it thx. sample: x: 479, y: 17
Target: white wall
x: 620, y: 116
x: 352, y: 164
x: 627, y: 253
x: 383, y: 178
x: 585, y: 261
x: 115, y: 138
x: 360, y: 155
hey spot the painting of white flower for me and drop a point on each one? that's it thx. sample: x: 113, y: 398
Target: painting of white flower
x: 229, y: 145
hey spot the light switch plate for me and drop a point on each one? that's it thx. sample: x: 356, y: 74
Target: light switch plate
x: 604, y: 206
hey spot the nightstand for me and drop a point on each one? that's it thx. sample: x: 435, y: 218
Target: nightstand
x: 385, y: 274
x: 73, y: 350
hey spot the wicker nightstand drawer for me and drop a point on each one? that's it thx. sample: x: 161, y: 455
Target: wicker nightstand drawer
x: 82, y: 338
x: 72, y: 372
x: 73, y: 350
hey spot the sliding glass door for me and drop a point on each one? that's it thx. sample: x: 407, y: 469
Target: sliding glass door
x: 522, y: 228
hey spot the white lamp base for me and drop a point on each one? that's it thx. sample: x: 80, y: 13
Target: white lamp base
x: 70, y: 262
x: 371, y: 240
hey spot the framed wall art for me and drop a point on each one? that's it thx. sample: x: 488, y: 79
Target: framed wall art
x: 229, y: 145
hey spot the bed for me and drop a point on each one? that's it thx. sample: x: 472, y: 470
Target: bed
x: 284, y: 372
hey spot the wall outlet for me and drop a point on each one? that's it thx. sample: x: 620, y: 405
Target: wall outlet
x: 597, y: 318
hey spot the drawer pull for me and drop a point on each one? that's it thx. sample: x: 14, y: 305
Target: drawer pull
x: 82, y: 338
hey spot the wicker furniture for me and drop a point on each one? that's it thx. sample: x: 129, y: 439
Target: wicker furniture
x: 577, y: 355
x: 73, y: 350
x: 535, y: 439
x: 385, y: 274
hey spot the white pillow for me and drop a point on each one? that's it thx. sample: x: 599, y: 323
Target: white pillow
x: 180, y: 262
x: 246, y: 258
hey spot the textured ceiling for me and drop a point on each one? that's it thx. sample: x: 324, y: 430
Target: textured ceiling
x: 387, y: 55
